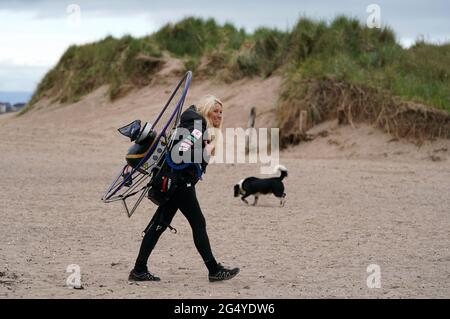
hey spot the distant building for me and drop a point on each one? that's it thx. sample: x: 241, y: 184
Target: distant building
x: 7, y: 107
x: 18, y: 106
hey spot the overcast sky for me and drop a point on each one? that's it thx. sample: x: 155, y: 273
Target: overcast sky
x: 35, y: 33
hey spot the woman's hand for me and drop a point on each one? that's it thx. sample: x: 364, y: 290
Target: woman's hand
x: 210, y: 148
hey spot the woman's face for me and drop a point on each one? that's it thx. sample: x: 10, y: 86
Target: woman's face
x: 215, y: 116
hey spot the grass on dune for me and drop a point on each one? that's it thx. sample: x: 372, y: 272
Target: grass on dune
x: 343, y: 49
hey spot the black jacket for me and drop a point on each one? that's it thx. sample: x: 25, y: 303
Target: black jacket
x: 191, y: 145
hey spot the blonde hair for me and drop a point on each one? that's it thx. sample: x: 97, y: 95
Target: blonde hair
x: 205, y: 106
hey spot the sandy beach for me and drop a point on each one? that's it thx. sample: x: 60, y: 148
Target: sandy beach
x: 354, y: 198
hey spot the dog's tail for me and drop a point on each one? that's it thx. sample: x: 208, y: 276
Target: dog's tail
x: 282, y: 170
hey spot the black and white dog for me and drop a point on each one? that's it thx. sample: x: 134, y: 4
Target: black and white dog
x: 261, y: 186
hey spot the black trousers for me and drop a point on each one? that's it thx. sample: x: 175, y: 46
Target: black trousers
x: 184, y: 199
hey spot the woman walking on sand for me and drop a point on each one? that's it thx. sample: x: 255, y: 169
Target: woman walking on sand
x: 208, y: 112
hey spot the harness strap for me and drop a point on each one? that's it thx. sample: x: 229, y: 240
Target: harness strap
x: 172, y: 229
x: 180, y: 167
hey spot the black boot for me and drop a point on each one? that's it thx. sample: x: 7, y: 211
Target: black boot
x: 223, y: 273
x: 142, y: 276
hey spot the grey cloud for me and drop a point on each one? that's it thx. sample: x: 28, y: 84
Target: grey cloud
x: 409, y: 19
x: 23, y: 78
x: 406, y: 17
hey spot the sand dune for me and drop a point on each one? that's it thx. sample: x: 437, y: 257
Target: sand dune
x: 355, y: 197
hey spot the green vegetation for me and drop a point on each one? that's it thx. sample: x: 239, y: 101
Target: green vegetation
x: 195, y: 37
x: 343, y: 50
x: 117, y: 62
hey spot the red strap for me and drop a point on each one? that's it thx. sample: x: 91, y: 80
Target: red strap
x: 164, y: 184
